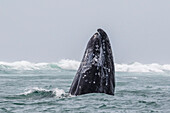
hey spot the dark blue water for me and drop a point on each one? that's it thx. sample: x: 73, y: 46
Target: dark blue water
x: 46, y: 91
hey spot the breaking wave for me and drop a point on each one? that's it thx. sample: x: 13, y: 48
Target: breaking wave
x: 138, y: 67
x: 40, y: 93
x: 30, y: 67
x: 44, y: 93
x: 72, y: 65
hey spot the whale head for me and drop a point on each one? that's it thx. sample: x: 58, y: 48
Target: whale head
x: 96, y: 71
x: 98, y: 50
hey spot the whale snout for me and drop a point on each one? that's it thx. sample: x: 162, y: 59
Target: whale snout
x: 98, y: 49
x: 100, y: 30
x: 102, y: 33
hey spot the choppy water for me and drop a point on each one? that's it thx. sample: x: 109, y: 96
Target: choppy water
x: 32, y: 88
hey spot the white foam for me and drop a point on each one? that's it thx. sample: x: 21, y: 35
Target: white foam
x: 25, y: 65
x: 67, y: 64
x: 59, y: 92
x: 31, y: 90
x: 138, y: 67
x: 56, y: 91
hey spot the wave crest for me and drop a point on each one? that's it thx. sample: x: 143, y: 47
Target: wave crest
x: 26, y: 67
x: 138, y: 67
x: 66, y: 64
x: 44, y: 93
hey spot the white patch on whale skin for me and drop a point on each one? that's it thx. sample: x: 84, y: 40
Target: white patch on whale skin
x: 94, y: 82
x: 84, y: 76
x: 97, y: 46
x: 95, y: 59
x: 109, y: 70
x: 97, y: 49
x: 95, y: 35
x: 99, y: 73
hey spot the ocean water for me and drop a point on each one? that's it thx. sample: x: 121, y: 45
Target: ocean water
x: 27, y: 87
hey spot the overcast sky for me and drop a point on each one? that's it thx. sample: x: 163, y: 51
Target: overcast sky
x: 50, y: 30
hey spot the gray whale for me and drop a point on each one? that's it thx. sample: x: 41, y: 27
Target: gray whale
x: 96, y: 73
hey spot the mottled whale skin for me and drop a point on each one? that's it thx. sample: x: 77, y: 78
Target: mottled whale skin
x: 96, y: 73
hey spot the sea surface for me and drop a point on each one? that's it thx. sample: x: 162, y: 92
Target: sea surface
x: 27, y: 87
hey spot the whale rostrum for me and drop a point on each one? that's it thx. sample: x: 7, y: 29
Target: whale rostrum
x: 96, y: 73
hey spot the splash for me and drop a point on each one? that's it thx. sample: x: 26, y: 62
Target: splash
x: 37, y: 93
